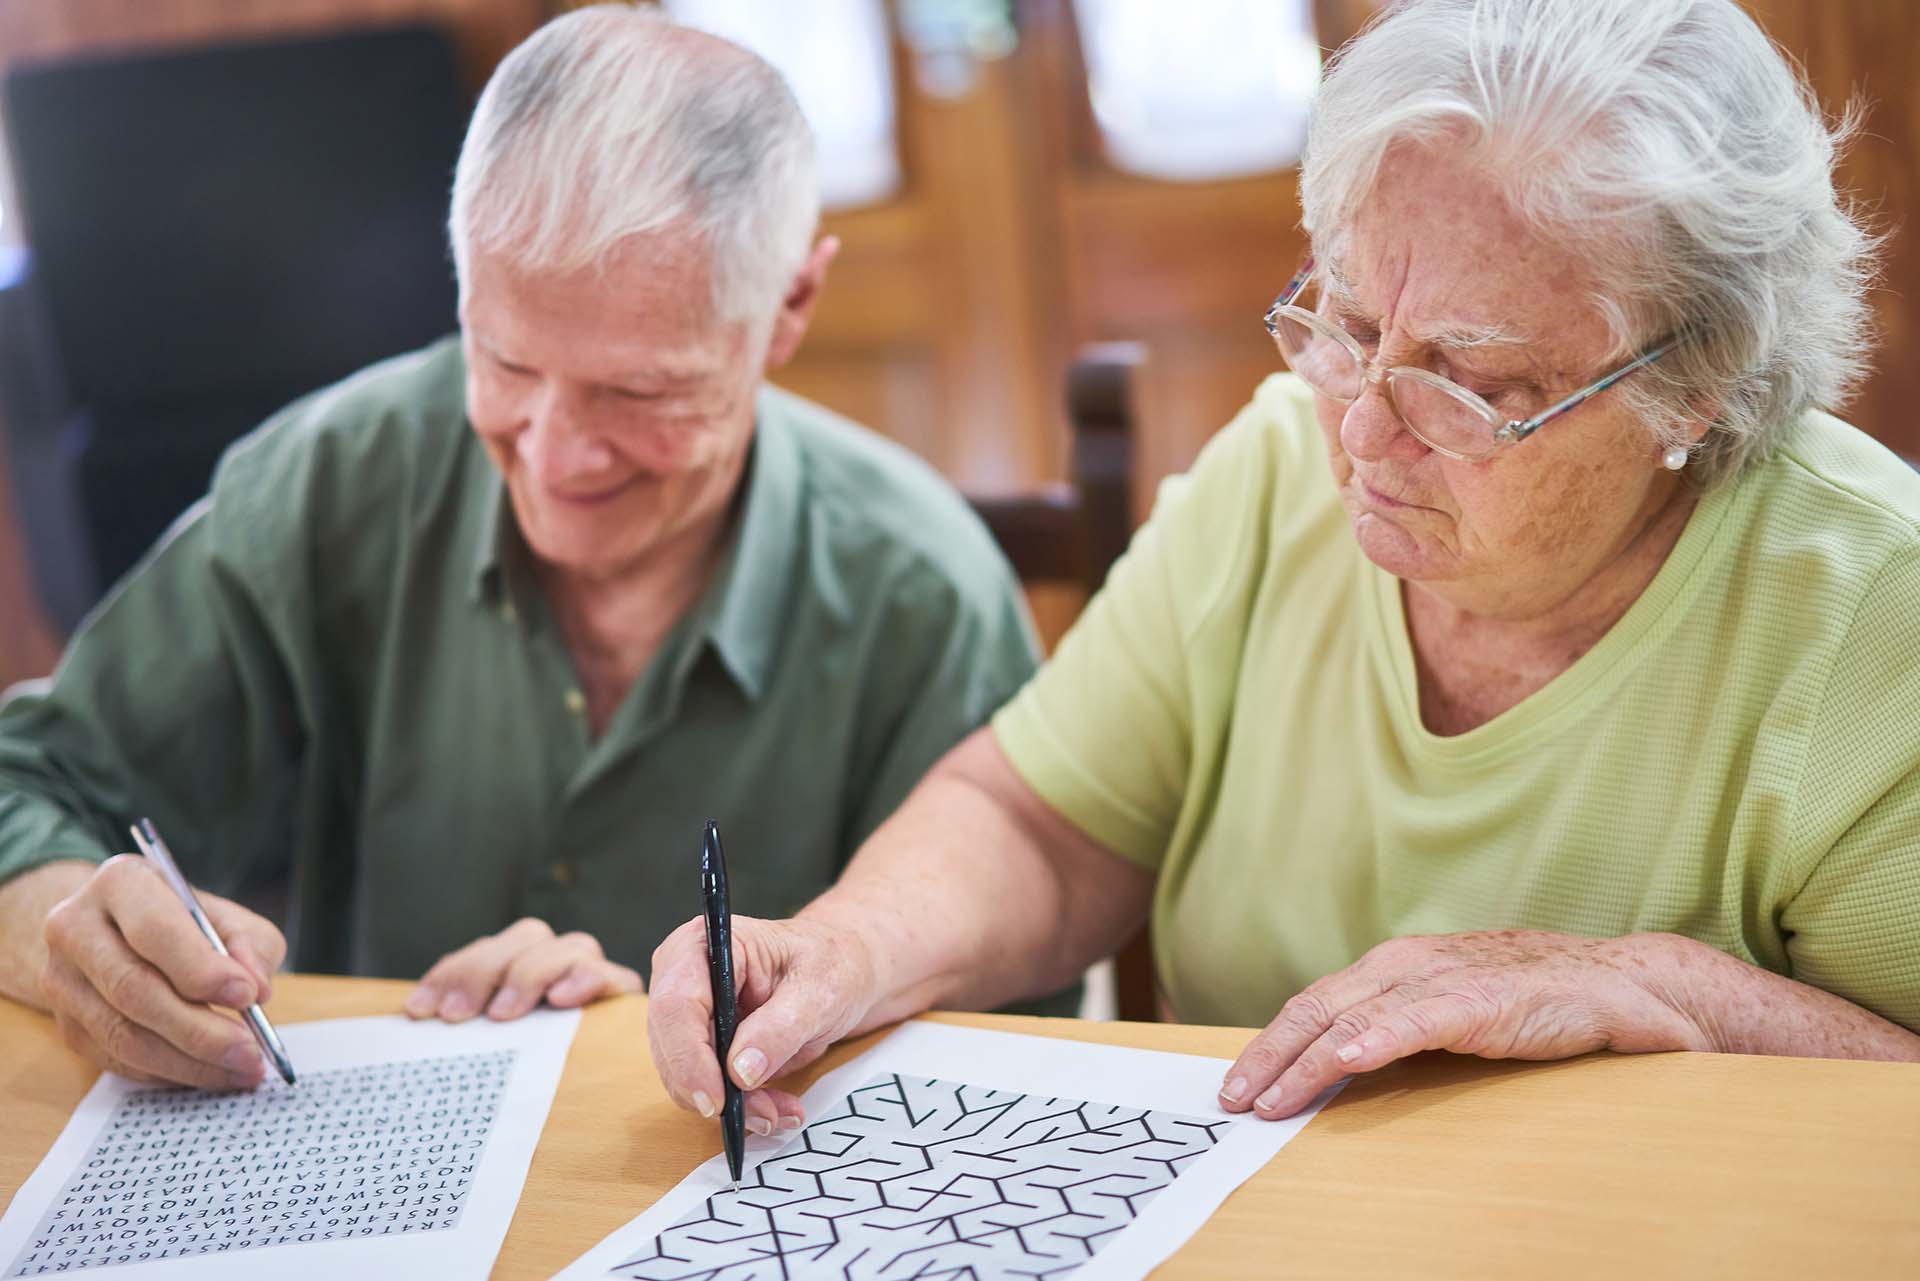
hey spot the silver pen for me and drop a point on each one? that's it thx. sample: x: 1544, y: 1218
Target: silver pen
x: 148, y: 839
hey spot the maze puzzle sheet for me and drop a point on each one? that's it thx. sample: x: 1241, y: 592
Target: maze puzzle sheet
x: 355, y: 1152
x: 945, y: 1153
x: 916, y: 1177
x: 400, y: 1150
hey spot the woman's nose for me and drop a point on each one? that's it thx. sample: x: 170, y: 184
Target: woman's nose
x: 1371, y: 430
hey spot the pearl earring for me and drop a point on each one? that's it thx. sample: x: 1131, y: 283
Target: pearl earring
x: 1675, y: 458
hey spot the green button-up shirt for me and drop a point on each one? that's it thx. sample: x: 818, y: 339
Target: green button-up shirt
x: 338, y: 663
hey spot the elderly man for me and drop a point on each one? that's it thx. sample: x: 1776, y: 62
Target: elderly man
x: 481, y: 635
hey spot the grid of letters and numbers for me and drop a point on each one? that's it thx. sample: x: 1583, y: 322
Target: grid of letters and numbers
x: 359, y: 1152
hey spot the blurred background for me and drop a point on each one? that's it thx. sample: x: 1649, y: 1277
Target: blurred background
x: 208, y: 207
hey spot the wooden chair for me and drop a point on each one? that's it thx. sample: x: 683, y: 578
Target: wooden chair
x: 1072, y: 533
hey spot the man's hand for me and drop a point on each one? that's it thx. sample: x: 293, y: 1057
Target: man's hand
x: 128, y: 978
x: 508, y: 973
x: 802, y: 986
x: 1514, y: 994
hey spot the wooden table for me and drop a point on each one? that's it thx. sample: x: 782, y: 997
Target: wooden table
x: 1682, y: 1165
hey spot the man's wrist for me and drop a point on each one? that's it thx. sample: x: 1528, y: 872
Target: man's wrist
x: 25, y: 900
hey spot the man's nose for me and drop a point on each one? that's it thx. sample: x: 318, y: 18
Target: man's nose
x: 557, y: 446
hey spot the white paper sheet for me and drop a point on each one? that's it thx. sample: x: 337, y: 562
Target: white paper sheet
x: 400, y: 1152
x: 954, y: 1152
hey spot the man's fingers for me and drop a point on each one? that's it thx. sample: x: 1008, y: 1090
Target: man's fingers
x: 123, y: 1046
x: 590, y: 980
x: 461, y: 983
x: 91, y: 954
x: 137, y: 904
x: 255, y: 942
x: 532, y: 972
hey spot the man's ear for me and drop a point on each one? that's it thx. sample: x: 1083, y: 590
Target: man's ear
x: 796, y: 309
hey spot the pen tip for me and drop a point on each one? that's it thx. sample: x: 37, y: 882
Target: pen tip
x: 736, y: 1186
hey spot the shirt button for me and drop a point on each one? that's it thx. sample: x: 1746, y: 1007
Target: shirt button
x: 563, y: 874
x: 508, y: 612
x: 576, y: 702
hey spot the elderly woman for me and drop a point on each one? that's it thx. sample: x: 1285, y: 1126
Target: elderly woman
x: 1531, y: 671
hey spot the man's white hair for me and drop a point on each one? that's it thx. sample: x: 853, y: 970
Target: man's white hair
x: 613, y: 122
x: 1672, y: 146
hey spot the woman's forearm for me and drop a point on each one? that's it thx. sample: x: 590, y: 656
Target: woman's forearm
x: 1738, y: 1008
x: 975, y: 893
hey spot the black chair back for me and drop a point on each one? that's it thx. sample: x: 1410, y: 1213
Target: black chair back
x: 215, y: 232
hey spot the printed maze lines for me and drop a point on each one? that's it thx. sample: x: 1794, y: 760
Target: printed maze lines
x: 915, y: 1179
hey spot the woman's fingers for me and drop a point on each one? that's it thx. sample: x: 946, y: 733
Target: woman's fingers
x: 1444, y: 1021
x: 1322, y: 1064
x: 1302, y: 1020
x: 680, y: 1020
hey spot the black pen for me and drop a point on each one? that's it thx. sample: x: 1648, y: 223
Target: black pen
x: 148, y: 839
x: 726, y: 1011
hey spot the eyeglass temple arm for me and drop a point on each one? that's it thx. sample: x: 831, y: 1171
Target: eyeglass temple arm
x: 1294, y: 286
x: 1520, y: 430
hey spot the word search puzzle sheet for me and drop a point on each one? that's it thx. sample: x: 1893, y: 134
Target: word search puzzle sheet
x: 963, y: 1155
x: 401, y: 1149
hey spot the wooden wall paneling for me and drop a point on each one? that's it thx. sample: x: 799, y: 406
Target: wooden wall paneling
x: 1869, y: 49
x: 934, y: 328
x: 1186, y: 268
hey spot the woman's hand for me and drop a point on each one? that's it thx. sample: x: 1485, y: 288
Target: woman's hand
x: 803, y: 984
x: 508, y: 973
x: 1513, y: 994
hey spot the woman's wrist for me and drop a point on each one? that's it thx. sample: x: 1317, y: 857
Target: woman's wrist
x: 1657, y: 1003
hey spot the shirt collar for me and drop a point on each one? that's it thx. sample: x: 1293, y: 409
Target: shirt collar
x: 739, y: 613
x: 743, y: 607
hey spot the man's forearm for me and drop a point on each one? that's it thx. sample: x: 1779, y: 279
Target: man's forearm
x: 24, y: 903
x: 1739, y: 1008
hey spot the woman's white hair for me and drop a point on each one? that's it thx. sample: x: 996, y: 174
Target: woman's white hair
x: 612, y: 122
x: 1674, y: 147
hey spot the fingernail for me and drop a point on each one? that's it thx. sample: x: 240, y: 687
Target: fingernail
x: 1233, y: 1090
x: 789, y: 1122
x: 748, y: 1067
x: 1268, y: 1101
x: 455, y: 1006
x: 237, y: 994
x: 241, y: 1060
x: 760, y: 1125
x: 703, y: 1104
x: 504, y: 1003
x: 420, y: 1003
x: 1348, y: 1052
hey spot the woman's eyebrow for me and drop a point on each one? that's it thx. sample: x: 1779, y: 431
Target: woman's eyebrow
x: 1457, y: 336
